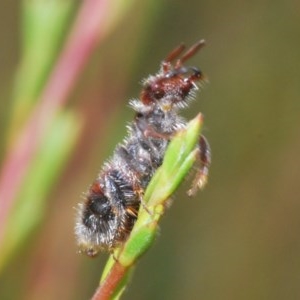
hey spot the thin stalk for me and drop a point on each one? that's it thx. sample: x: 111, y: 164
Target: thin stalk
x: 178, y: 161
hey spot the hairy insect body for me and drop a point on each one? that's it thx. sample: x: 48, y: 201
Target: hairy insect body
x: 110, y: 209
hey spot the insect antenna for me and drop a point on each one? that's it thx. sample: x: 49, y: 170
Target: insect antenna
x: 189, y: 53
x: 174, y: 53
x: 172, y: 56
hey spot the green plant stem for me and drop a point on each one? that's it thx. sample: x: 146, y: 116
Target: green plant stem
x: 180, y: 156
x: 105, y: 290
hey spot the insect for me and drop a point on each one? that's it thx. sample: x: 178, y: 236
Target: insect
x: 110, y: 208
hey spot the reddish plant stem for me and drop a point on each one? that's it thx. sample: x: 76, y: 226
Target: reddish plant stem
x: 109, y: 285
x: 88, y: 29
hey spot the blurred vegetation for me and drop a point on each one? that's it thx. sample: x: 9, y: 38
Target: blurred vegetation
x: 239, y: 239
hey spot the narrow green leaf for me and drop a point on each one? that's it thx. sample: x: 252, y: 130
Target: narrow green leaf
x: 48, y: 163
x: 44, y: 24
x: 179, y: 159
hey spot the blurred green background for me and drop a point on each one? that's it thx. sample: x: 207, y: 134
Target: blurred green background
x: 239, y: 238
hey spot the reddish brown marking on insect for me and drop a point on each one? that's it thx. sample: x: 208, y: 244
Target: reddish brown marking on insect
x: 161, y: 87
x: 174, y: 76
x: 96, y: 188
x: 146, y: 96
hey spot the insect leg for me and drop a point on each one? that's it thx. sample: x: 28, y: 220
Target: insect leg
x: 204, y: 160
